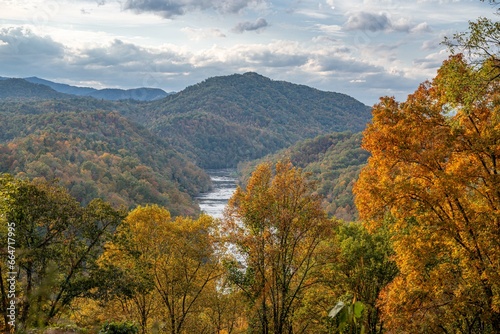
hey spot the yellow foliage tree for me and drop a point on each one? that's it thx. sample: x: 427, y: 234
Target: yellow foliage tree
x: 173, y: 264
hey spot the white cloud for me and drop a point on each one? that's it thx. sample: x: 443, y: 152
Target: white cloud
x: 367, y: 21
x: 198, y: 34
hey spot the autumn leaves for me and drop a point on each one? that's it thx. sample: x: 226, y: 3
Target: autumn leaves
x: 434, y: 170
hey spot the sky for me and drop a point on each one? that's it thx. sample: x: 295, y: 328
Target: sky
x: 362, y: 48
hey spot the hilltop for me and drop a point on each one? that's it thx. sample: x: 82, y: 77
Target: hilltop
x: 225, y: 120
x: 15, y: 89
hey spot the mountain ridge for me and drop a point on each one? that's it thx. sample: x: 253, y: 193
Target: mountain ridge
x: 110, y: 94
x: 228, y: 119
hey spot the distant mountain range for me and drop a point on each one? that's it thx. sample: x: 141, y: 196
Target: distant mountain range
x: 38, y: 92
x: 137, y: 152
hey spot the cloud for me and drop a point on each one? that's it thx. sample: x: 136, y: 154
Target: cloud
x: 250, y: 26
x: 330, y: 63
x: 421, y: 27
x: 171, y: 8
x: 332, y: 29
x: 198, y: 34
x: 21, y: 41
x: 367, y: 21
x: 125, y: 63
x: 382, y: 22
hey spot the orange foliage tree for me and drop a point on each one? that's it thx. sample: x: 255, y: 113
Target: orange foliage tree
x: 435, y: 170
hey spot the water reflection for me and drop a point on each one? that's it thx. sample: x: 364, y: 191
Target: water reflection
x: 224, y: 185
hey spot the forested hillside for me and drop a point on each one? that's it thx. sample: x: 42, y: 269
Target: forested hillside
x: 14, y: 89
x: 225, y: 120
x: 100, y: 154
x: 217, y: 123
x: 333, y: 161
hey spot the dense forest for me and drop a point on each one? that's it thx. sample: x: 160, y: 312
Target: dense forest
x: 135, y: 256
x: 225, y: 120
x: 100, y: 155
x: 333, y: 161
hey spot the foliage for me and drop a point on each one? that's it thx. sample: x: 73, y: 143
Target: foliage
x: 333, y: 161
x: 177, y: 257
x: 481, y: 42
x: 434, y: 168
x: 119, y: 328
x: 57, y: 243
x: 348, y: 316
x: 100, y: 154
x: 360, y: 270
x: 277, y: 226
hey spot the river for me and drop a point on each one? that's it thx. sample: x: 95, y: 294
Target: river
x: 224, y: 185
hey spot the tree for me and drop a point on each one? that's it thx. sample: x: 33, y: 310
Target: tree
x: 360, y: 269
x: 57, y: 243
x: 434, y: 168
x: 277, y: 225
x: 481, y: 43
x: 179, y: 258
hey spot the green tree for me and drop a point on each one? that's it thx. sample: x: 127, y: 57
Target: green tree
x: 360, y: 269
x: 57, y: 244
x: 277, y: 226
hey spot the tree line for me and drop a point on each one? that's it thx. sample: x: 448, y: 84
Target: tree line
x: 272, y: 265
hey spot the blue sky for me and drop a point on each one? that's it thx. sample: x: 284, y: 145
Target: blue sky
x: 365, y: 49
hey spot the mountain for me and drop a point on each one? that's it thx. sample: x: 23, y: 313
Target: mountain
x: 225, y: 120
x: 110, y: 94
x: 15, y: 89
x: 217, y: 123
x: 62, y: 88
x: 97, y: 154
x: 333, y: 161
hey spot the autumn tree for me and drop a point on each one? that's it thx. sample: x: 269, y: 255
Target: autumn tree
x: 276, y: 225
x: 435, y: 170
x: 179, y: 257
x: 57, y: 243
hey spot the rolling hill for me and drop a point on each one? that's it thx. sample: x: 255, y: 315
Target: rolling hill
x: 100, y: 154
x: 111, y: 94
x: 137, y: 152
x: 16, y: 89
x: 225, y: 120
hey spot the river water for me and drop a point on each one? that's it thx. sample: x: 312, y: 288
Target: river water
x: 224, y: 185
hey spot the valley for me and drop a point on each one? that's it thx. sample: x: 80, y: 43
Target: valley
x: 216, y: 124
